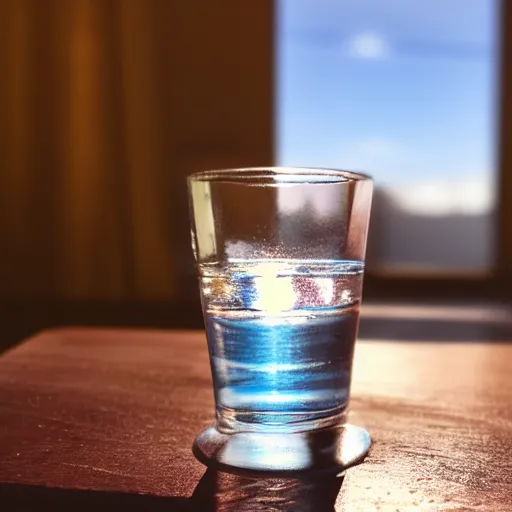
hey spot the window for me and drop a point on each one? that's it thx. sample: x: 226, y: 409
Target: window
x: 406, y: 91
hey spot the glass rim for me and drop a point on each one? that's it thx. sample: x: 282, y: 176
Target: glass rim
x: 276, y: 175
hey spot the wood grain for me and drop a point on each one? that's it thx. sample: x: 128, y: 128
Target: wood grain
x: 107, y: 418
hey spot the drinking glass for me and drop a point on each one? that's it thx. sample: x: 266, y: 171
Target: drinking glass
x: 280, y: 255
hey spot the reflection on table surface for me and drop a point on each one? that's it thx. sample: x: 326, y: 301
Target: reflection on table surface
x: 219, y: 491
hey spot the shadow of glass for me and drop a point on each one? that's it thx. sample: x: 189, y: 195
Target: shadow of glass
x: 15, y: 497
x: 226, y: 492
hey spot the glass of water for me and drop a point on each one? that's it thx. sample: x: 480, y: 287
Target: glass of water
x: 280, y: 255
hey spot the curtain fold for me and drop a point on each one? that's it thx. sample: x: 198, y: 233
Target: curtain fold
x: 105, y: 107
x: 84, y: 212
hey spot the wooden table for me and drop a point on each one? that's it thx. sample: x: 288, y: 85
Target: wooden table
x: 107, y: 418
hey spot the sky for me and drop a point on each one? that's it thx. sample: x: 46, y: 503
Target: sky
x: 402, y: 89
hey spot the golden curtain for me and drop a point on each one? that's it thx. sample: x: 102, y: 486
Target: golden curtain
x: 105, y: 106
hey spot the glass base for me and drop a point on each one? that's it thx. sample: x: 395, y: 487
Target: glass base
x: 328, y: 450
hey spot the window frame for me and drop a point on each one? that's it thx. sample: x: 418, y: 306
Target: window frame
x: 504, y: 232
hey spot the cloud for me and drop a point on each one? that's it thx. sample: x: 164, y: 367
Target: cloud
x: 450, y: 197
x: 368, y: 45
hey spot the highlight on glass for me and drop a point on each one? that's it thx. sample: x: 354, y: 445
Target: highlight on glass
x: 280, y: 255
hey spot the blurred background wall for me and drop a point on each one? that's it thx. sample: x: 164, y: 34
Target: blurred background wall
x: 105, y: 107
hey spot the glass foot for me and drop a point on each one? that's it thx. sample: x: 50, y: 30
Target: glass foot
x: 327, y: 450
